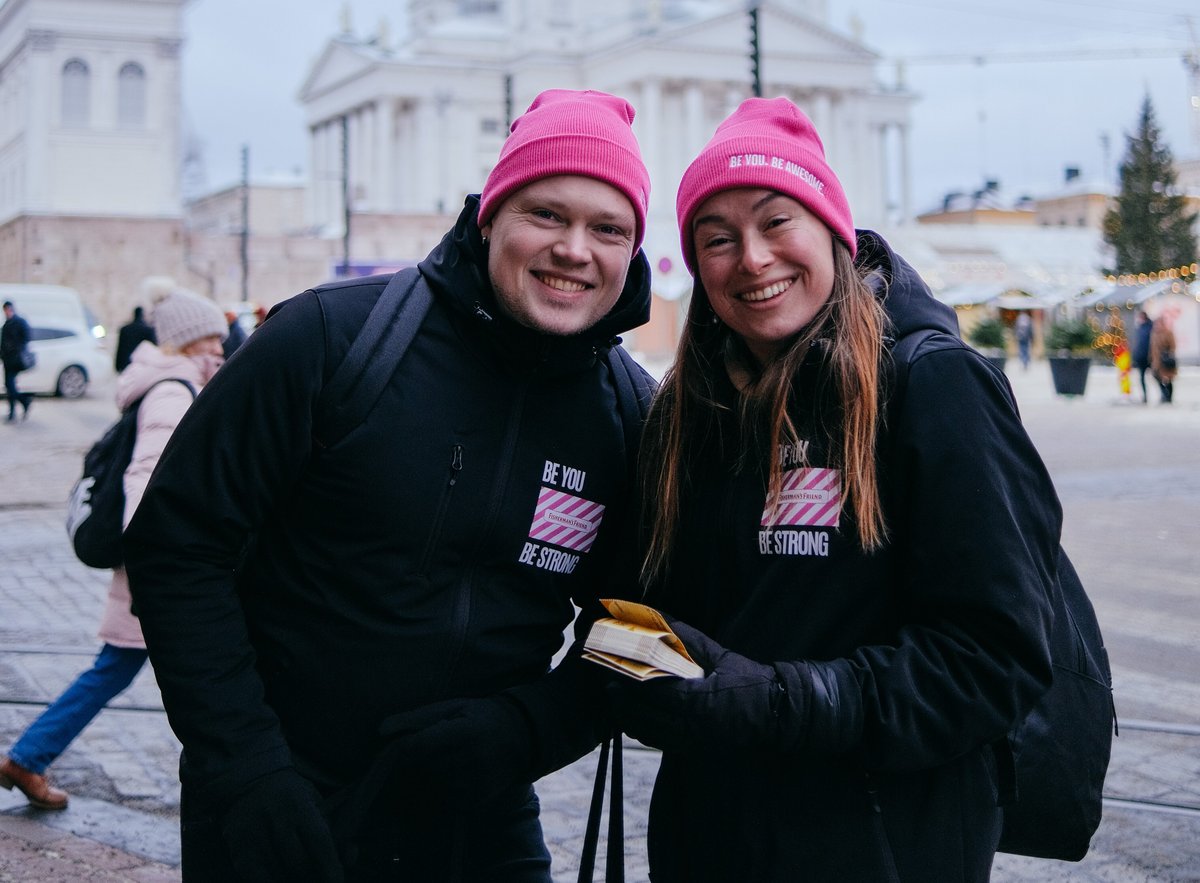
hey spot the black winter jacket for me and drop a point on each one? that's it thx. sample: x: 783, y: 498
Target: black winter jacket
x: 930, y: 649
x: 292, y: 598
x: 14, y: 337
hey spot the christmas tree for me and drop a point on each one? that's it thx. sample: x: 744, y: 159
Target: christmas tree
x: 1149, y: 228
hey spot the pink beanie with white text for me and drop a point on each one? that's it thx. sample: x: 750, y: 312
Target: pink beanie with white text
x: 565, y: 132
x: 767, y: 143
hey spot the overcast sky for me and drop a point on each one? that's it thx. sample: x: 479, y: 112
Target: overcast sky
x: 1013, y: 91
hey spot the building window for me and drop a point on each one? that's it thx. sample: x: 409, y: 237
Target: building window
x: 131, y: 96
x: 489, y: 126
x: 76, y: 93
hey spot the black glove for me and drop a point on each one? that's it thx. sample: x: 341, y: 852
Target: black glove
x: 741, y: 703
x: 459, y: 752
x: 275, y: 831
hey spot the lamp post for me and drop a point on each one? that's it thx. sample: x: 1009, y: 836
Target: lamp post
x: 755, y: 54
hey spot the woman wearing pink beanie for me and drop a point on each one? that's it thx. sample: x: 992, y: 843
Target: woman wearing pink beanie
x: 863, y: 578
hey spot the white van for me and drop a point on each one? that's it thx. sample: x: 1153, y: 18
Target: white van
x: 65, y: 337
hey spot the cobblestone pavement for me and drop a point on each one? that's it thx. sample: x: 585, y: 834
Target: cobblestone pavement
x: 1129, y: 478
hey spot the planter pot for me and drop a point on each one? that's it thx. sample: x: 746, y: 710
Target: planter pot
x: 1070, y: 374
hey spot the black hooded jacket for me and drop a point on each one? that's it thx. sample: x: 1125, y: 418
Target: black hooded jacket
x: 292, y: 598
x: 930, y: 649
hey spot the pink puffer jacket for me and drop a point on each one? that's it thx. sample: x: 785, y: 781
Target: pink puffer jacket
x: 158, y: 416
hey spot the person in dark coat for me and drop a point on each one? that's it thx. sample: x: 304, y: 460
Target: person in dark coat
x: 237, y: 336
x: 14, y: 340
x: 1163, y: 362
x: 354, y: 641
x: 1140, y: 349
x: 131, y: 334
x: 865, y: 581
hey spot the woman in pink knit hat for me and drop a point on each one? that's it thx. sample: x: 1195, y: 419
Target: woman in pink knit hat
x: 189, y: 331
x: 863, y: 578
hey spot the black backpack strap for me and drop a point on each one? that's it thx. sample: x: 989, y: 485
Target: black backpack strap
x: 902, y: 352
x: 635, y: 389
x: 373, y: 357
x: 591, y: 833
x: 614, y: 865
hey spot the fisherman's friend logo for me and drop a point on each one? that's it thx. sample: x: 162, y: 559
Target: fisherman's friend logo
x: 810, y: 497
x: 564, y: 524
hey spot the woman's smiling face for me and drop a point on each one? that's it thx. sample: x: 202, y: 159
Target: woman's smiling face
x: 766, y: 263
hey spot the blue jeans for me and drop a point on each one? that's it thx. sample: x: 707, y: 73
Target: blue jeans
x: 49, y: 735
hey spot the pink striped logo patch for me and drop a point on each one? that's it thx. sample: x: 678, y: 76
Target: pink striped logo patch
x: 810, y: 498
x: 566, y: 521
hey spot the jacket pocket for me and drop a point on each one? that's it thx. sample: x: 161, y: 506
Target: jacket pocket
x: 439, y: 515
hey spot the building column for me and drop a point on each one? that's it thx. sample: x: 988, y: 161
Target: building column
x: 428, y: 154
x: 695, y: 126
x: 381, y: 184
x: 906, y: 209
x: 445, y: 153
x: 331, y: 173
x: 855, y: 150
x: 354, y: 131
x: 648, y: 120
x: 823, y: 116
x: 44, y: 82
x: 405, y: 188
x: 314, y: 181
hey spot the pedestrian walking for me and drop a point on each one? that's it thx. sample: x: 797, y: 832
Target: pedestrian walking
x: 130, y: 335
x: 16, y: 356
x: 861, y: 562
x: 237, y: 336
x: 1024, y: 332
x: 362, y: 630
x: 1163, y: 362
x: 190, y: 330
x: 1140, y: 348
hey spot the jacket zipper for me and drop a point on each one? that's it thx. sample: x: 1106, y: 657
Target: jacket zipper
x: 462, y: 616
x: 884, y: 844
x: 456, y: 465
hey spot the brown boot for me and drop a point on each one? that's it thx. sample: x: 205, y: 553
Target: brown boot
x: 36, y: 788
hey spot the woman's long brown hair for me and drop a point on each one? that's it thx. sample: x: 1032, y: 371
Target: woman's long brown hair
x: 685, y: 413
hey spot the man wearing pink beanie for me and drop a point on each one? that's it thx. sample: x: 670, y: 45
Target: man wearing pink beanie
x: 353, y: 631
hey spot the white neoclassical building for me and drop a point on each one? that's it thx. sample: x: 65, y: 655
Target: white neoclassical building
x: 89, y: 107
x: 410, y: 129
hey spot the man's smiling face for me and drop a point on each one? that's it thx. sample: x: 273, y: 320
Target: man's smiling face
x: 559, y: 252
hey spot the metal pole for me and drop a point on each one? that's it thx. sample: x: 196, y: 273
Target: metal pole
x: 245, y: 234
x: 346, y: 195
x: 508, y: 102
x: 755, y: 54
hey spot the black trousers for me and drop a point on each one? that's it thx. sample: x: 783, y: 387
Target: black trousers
x: 1167, y: 387
x: 14, y: 394
x: 500, y: 842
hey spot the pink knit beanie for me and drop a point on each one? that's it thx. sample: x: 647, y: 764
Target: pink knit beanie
x: 565, y: 132
x: 767, y: 143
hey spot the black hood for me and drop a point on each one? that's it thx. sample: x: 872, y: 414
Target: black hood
x: 909, y: 303
x: 457, y: 272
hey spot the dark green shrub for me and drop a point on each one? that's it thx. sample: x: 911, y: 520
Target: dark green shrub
x: 987, y: 334
x: 1077, y: 336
